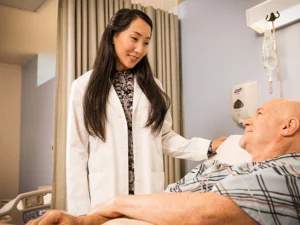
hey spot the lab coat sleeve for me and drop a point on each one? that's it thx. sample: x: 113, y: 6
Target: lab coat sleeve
x: 78, y: 197
x: 176, y: 146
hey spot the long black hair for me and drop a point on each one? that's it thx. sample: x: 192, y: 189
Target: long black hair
x: 96, y: 94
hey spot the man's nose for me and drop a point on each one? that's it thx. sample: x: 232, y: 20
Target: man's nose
x: 247, y: 122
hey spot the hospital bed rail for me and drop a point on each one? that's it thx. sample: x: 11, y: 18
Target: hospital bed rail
x: 26, y: 206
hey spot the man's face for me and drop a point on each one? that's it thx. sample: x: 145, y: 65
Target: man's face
x: 263, y: 128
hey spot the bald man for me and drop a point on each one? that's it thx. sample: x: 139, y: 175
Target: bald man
x: 265, y: 191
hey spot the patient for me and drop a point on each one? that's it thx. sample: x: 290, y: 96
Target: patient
x: 265, y: 191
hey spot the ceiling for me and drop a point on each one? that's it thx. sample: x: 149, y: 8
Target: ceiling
x: 27, y: 27
x: 32, y: 5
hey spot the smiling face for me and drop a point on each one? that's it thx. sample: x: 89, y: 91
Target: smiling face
x: 131, y: 45
x: 273, y: 131
x: 264, y: 128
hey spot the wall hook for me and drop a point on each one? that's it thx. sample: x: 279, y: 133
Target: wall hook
x: 272, y: 16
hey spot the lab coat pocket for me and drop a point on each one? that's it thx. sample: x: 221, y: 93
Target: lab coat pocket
x: 158, y: 180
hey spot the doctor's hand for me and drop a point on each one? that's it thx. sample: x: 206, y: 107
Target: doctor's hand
x: 61, y: 218
x: 216, y: 143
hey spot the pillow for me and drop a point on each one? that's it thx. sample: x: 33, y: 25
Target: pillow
x: 231, y: 153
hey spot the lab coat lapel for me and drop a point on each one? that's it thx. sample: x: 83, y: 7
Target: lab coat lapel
x: 114, y: 100
x: 137, y: 95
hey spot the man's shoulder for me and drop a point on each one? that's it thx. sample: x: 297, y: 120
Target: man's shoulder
x: 286, y: 160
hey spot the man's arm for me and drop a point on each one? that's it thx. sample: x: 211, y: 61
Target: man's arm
x: 61, y: 218
x: 176, y: 208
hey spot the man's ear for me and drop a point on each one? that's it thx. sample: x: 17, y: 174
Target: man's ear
x: 289, y: 126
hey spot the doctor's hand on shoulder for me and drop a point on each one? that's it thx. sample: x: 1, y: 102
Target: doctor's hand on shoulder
x: 217, y: 142
x: 61, y: 218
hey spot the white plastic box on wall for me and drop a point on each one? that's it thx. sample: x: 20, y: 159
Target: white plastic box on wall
x: 244, y: 101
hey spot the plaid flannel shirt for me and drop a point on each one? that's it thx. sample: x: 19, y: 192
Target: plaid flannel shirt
x: 268, y: 191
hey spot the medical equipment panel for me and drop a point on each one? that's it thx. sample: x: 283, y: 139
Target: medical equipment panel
x: 26, y: 206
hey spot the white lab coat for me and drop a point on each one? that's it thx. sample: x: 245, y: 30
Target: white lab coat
x: 98, y: 171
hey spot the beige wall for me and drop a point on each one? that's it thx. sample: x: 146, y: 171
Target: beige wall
x: 10, y: 105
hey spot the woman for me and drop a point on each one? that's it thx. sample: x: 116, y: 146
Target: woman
x: 119, y: 124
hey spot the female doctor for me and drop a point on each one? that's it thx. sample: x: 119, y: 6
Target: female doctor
x: 119, y: 125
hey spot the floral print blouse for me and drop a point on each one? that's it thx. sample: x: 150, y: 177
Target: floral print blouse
x: 123, y: 83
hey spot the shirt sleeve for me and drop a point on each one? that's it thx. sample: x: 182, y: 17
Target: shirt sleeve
x: 199, y: 179
x: 269, y: 196
x: 177, y: 146
x: 78, y: 197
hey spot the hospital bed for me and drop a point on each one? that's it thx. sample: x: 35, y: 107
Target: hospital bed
x: 25, y: 207
x: 32, y: 205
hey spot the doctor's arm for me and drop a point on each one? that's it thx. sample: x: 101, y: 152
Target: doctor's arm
x: 177, y: 146
x: 176, y: 208
x: 78, y: 199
